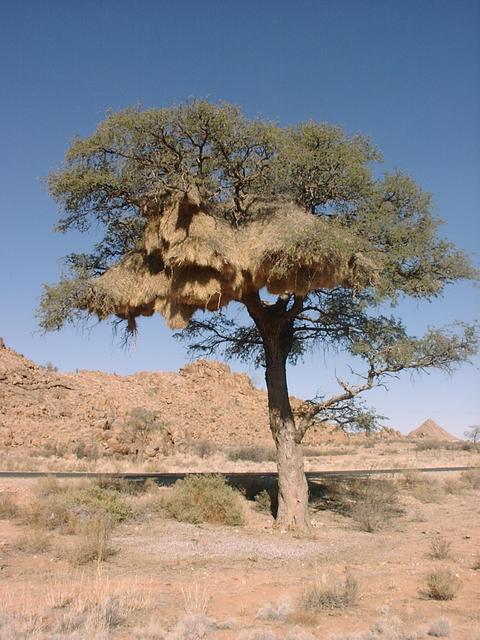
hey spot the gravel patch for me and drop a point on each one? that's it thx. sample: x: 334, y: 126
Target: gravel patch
x: 181, y: 541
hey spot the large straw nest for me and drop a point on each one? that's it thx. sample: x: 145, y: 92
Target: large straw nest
x: 193, y: 258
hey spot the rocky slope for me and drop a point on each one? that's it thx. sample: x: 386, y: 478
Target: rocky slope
x: 41, y: 409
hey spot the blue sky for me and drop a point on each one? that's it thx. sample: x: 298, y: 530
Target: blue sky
x: 405, y: 73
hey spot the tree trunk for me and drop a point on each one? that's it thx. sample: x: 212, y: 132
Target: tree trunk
x: 292, y: 484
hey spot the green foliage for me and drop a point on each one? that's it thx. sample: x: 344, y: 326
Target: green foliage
x: 61, y: 506
x: 119, y: 177
x: 199, y: 499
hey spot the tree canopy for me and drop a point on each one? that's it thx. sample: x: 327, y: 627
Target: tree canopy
x: 201, y: 206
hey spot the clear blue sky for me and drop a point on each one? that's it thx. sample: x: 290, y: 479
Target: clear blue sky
x: 405, y: 73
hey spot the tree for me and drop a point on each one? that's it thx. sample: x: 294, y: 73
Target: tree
x: 473, y: 434
x: 202, y: 207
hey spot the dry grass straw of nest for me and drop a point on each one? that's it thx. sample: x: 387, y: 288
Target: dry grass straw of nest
x: 194, y: 259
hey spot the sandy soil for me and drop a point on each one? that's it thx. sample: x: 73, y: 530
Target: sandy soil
x: 165, y: 572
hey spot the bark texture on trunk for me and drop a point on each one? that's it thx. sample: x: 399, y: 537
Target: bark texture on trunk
x: 292, y: 485
x: 277, y: 336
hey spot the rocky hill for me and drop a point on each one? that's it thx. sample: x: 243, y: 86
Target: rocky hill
x: 430, y: 430
x: 41, y: 409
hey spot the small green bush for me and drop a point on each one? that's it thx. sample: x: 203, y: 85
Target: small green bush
x: 61, y: 506
x: 96, y: 500
x: 333, y: 594
x: 205, y: 499
x: 441, y: 584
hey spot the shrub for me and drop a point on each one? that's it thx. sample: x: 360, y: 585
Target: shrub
x: 440, y: 628
x: 471, y: 478
x: 476, y: 563
x: 85, y: 452
x: 441, y: 584
x: 333, y: 593
x: 140, y: 427
x: 275, y: 611
x: 34, y: 541
x: 375, y: 504
x: 253, y: 454
x: 90, y: 501
x: 205, y: 499
x: 201, y: 448
x: 440, y: 548
x: 422, y: 488
x: 60, y: 507
x: 8, y: 507
x: 92, y: 542
x: 263, y: 502
x: 453, y: 486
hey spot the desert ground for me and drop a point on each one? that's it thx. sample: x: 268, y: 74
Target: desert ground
x: 361, y: 573
x: 391, y: 557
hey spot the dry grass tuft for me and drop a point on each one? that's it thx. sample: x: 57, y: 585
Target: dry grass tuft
x: 8, y: 507
x: 201, y: 448
x: 375, y: 506
x: 422, y: 488
x: 34, y: 541
x: 471, y: 478
x: 263, y: 502
x: 440, y: 628
x: 331, y: 593
x: 276, y: 611
x: 92, y: 542
x: 440, y: 548
x: 253, y: 454
x: 441, y: 584
x: 207, y: 498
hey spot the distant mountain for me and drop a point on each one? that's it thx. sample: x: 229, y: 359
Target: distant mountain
x: 430, y: 430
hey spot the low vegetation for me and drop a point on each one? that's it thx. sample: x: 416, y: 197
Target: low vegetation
x: 8, y: 506
x: 441, y: 584
x: 92, y: 541
x: 440, y: 548
x: 205, y: 499
x: 252, y: 454
x: 332, y: 593
x: 263, y: 502
x: 371, y: 503
x: 422, y: 488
